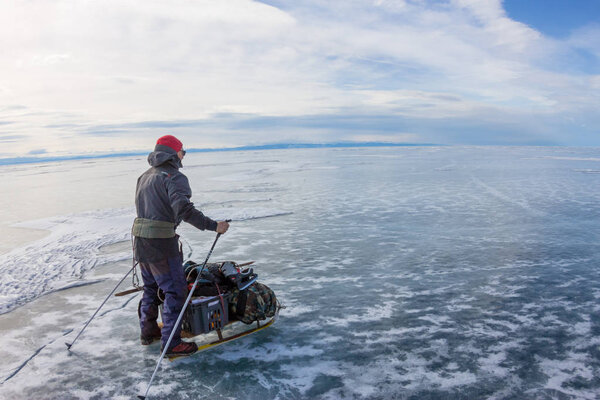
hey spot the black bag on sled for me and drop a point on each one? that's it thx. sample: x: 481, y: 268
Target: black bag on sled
x: 212, y: 280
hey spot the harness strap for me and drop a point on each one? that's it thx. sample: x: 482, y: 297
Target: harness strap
x: 152, y: 229
x: 220, y: 297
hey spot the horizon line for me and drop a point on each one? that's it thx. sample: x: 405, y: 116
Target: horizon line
x: 278, y: 146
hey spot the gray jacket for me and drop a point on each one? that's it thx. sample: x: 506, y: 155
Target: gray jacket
x: 163, y: 194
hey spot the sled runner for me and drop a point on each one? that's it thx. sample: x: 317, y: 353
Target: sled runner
x: 224, y: 339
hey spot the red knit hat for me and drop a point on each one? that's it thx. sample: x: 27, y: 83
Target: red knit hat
x: 170, y: 141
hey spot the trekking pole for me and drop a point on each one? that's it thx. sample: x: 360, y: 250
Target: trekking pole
x: 105, y: 300
x: 166, y: 348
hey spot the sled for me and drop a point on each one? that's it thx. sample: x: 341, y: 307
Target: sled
x: 208, y: 313
x: 224, y: 339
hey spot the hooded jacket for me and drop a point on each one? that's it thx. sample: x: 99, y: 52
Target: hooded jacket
x: 163, y: 194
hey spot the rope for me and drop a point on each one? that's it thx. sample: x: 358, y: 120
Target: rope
x: 187, y: 278
x: 135, y: 279
x: 221, y: 297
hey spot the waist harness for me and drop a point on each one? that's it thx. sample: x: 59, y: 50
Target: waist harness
x: 151, y: 229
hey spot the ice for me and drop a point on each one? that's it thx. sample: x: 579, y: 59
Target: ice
x: 66, y: 254
x: 371, y: 314
x: 74, y: 246
x: 437, y: 272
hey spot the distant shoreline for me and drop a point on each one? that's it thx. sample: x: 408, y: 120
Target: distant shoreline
x: 281, y: 146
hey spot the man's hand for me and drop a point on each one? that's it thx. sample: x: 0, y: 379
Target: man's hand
x: 222, y: 226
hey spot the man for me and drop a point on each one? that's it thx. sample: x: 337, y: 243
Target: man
x: 162, y: 201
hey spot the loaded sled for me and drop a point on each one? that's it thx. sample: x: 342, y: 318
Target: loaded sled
x: 225, y: 295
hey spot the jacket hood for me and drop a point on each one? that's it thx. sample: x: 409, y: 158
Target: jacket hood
x: 164, y: 154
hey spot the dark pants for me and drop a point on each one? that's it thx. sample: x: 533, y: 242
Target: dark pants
x: 169, y: 277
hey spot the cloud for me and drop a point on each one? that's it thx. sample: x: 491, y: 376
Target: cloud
x: 37, y: 151
x: 587, y: 39
x: 116, y: 73
x: 11, y: 138
x: 485, y: 126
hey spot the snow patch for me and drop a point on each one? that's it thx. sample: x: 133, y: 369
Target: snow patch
x: 75, y: 245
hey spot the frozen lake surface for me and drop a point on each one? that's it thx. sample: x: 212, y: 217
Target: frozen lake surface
x: 408, y: 273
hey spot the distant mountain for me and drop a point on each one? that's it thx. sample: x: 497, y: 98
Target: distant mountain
x: 276, y: 146
x: 280, y: 146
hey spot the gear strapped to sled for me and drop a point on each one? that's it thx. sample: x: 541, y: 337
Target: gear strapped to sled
x: 225, y: 293
x: 241, y: 278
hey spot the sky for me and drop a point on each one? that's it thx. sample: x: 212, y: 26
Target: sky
x: 86, y: 77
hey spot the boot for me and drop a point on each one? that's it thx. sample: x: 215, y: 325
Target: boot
x: 147, y: 340
x: 182, y: 349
